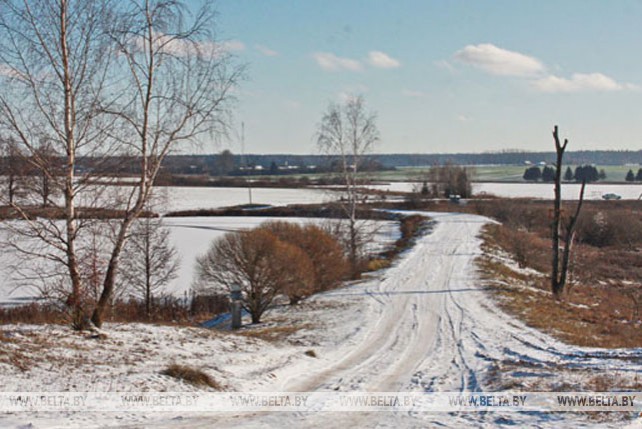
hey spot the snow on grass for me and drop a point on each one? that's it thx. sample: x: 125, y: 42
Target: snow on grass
x: 133, y: 357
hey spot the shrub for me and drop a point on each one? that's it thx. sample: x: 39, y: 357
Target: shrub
x: 608, y: 228
x: 329, y: 263
x: 297, y: 275
x: 450, y: 179
x: 261, y: 264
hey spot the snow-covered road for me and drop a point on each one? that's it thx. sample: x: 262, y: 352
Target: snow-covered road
x: 428, y: 325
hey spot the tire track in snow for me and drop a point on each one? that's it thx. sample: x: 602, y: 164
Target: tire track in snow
x: 429, y: 327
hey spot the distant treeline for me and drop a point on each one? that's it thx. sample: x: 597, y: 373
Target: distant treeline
x: 275, y: 164
x: 227, y: 163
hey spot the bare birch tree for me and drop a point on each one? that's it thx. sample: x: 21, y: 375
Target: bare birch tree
x: 348, y: 132
x: 180, y: 83
x: 54, y: 62
x: 99, y: 79
x: 150, y: 262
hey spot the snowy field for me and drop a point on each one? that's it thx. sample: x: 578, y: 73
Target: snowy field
x: 190, y: 198
x: 192, y: 237
x: 424, y: 325
x: 570, y: 191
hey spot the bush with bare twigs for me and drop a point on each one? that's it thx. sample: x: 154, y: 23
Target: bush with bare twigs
x: 602, y: 228
x: 252, y: 260
x: 275, y: 258
x: 329, y: 263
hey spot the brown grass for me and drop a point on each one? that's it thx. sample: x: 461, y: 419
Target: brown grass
x: 170, y: 310
x: 592, y: 314
x: 193, y: 376
x: 275, y: 333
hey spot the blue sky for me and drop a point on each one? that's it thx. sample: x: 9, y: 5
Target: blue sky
x: 443, y: 76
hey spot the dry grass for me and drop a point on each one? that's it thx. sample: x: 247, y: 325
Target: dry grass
x: 193, y: 376
x: 273, y: 333
x: 377, y: 264
x: 166, y: 311
x: 592, y: 314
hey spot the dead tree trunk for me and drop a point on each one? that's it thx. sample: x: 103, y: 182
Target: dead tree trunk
x: 559, y: 271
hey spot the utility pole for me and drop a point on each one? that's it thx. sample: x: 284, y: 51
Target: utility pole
x: 243, y: 162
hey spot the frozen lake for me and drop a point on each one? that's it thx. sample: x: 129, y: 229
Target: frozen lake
x: 570, y: 191
x: 192, y: 236
x: 191, y: 198
x: 177, y: 198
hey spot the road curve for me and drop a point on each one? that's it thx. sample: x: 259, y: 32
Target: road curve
x: 429, y: 326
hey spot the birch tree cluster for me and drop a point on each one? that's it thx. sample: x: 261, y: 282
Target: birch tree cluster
x: 84, y: 82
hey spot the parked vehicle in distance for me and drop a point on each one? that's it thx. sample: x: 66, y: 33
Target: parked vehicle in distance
x: 611, y: 196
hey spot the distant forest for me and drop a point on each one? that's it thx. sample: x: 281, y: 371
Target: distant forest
x: 227, y: 163
x: 276, y: 164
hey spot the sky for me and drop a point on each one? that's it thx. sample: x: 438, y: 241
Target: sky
x: 442, y: 76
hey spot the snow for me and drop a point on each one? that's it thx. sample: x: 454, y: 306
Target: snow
x: 203, y: 197
x: 570, y: 191
x: 190, y: 198
x: 192, y: 236
x: 425, y: 324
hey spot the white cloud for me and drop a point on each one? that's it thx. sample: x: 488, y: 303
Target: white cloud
x: 382, y: 60
x: 232, y: 45
x: 182, y: 47
x: 580, y: 82
x: 266, y: 51
x: 330, y: 62
x: 498, y: 61
x: 412, y: 93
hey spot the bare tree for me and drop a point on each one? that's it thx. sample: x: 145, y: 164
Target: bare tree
x: 150, y: 262
x: 560, y: 269
x: 13, y: 170
x: 179, y: 87
x: 348, y: 131
x: 223, y: 163
x: 449, y: 179
x: 55, y: 58
x: 45, y: 172
x: 98, y: 79
x: 256, y: 261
